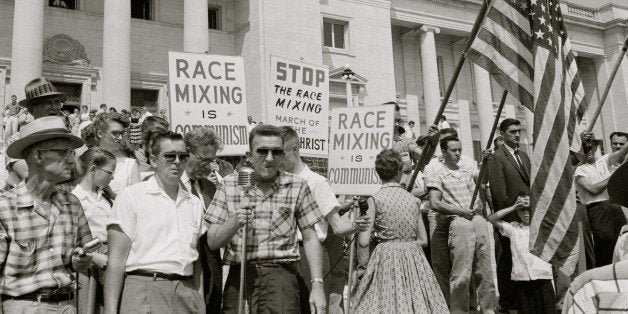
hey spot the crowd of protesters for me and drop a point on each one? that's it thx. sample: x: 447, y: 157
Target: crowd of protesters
x: 168, y: 215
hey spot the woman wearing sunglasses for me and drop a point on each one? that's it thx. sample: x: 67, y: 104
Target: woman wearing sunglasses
x: 96, y: 168
x: 111, y: 130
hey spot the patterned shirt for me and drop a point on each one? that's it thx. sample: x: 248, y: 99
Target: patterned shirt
x: 36, y: 247
x: 272, y: 231
x: 599, y: 290
x: 456, y: 186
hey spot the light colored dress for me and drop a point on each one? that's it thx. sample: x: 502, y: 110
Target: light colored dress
x: 398, y: 278
x: 125, y: 174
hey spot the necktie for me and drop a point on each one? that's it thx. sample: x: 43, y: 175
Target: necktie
x: 193, y: 187
x: 518, y: 159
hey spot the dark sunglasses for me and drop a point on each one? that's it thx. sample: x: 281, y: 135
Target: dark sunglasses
x: 276, y: 152
x: 172, y: 156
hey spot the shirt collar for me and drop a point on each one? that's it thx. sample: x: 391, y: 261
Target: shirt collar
x: 81, y: 194
x: 510, y: 150
x: 304, y: 171
x: 153, y: 188
x: 185, y: 178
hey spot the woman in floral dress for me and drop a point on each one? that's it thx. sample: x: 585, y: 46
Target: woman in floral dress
x: 398, y: 278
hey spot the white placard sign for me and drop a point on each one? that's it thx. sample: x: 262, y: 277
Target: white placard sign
x: 357, y: 135
x: 299, y: 97
x: 208, y: 90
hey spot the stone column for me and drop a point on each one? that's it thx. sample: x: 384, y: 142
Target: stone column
x: 411, y: 78
x: 195, y: 26
x: 27, y: 47
x: 429, y: 66
x: 116, y: 70
x: 484, y: 101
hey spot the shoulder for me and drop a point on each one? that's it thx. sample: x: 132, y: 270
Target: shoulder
x: 67, y: 198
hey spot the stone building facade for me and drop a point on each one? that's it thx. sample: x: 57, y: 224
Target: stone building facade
x: 115, y: 52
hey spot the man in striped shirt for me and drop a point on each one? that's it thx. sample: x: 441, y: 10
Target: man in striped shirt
x: 41, y: 227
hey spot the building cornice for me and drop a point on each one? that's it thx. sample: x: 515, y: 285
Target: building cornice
x: 384, y: 4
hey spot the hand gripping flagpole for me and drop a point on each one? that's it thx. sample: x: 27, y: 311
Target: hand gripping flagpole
x: 488, y: 146
x: 430, y: 147
x: 607, y: 88
x: 246, y: 180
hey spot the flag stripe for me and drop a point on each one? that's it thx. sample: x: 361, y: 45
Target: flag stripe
x: 513, y: 87
x: 513, y: 14
x: 494, y: 36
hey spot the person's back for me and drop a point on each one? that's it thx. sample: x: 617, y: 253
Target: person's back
x: 396, y: 213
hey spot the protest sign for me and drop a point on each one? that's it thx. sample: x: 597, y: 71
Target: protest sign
x: 357, y: 135
x: 208, y: 90
x: 299, y: 97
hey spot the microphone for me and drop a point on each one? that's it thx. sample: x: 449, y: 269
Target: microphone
x: 89, y: 247
x: 363, y: 205
x: 246, y: 178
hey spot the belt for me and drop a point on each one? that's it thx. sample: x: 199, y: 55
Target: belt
x: 146, y: 273
x: 270, y: 263
x: 49, y: 298
x: 398, y: 240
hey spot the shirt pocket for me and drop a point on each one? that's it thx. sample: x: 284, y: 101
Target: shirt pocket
x: 21, y: 258
x: 282, y: 221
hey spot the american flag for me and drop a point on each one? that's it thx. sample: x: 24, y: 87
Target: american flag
x: 524, y: 45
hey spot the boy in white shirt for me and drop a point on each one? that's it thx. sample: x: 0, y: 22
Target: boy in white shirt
x: 530, y: 273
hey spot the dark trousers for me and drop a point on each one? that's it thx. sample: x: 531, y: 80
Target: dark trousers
x: 606, y: 220
x: 508, y: 291
x: 536, y: 296
x: 271, y: 288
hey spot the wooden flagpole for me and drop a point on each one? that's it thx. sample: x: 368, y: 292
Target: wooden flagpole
x: 488, y: 146
x: 430, y: 147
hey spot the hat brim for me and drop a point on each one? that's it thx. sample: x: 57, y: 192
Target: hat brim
x: 26, y: 102
x: 618, y: 186
x: 16, y: 148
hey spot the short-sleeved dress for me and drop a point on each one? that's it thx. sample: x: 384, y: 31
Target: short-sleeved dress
x: 398, y: 278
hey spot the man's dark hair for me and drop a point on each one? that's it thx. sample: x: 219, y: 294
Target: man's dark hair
x: 450, y: 131
x: 507, y: 123
x: 160, y: 137
x: 264, y: 130
x: 388, y: 164
x: 288, y: 133
x: 445, y: 141
x: 103, y: 105
x: 410, y: 122
x: 617, y: 133
x: 442, y: 118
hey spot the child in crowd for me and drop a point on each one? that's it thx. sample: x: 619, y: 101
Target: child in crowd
x: 532, y: 275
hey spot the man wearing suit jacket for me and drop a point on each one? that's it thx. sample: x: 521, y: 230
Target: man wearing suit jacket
x: 509, y: 178
x: 203, y: 143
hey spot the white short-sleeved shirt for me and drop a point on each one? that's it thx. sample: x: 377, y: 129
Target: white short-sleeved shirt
x: 163, y: 232
x: 124, y: 173
x: 525, y: 265
x: 596, y: 172
x: 324, y: 196
x: 97, y: 210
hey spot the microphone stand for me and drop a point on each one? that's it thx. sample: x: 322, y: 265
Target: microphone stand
x: 241, y: 302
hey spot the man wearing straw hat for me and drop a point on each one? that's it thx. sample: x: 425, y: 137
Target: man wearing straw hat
x: 41, y: 227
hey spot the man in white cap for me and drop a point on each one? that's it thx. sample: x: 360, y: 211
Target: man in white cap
x: 41, y: 227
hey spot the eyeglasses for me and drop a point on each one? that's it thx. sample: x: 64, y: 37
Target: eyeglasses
x: 109, y: 172
x: 204, y: 160
x: 172, y: 156
x: 263, y: 152
x: 65, y: 152
x: 118, y: 134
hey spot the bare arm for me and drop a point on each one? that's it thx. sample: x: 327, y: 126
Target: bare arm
x: 219, y: 235
x: 420, y: 229
x: 314, y: 252
x: 497, y: 217
x: 593, y: 186
x: 119, y: 247
x: 364, y: 237
x: 437, y: 204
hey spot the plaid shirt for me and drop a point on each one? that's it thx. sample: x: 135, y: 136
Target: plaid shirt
x: 35, y: 247
x: 456, y: 186
x: 272, y: 231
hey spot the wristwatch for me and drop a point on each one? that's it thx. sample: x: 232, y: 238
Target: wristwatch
x: 319, y: 280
